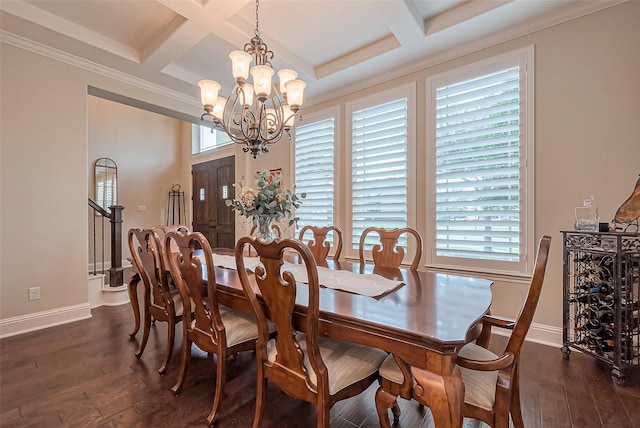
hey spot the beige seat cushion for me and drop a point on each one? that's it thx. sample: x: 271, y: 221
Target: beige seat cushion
x: 177, y: 303
x: 239, y: 326
x: 479, y: 387
x: 347, y: 363
x: 390, y: 370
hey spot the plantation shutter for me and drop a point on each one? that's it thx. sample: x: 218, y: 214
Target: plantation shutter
x: 478, y: 167
x: 379, y: 168
x: 314, y: 172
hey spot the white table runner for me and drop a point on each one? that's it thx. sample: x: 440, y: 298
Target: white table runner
x: 229, y: 262
x: 371, y: 285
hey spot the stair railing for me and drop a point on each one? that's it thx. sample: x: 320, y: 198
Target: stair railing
x: 116, y: 271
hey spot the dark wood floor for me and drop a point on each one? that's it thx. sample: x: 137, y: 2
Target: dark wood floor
x: 85, y: 374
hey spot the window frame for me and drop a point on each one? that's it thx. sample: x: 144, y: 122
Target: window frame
x: 407, y: 91
x: 524, y: 58
x: 318, y: 116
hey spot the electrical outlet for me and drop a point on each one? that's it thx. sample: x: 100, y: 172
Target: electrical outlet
x: 34, y: 293
x: 142, y: 207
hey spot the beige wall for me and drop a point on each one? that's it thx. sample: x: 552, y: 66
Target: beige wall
x: 587, y: 141
x: 44, y: 187
x: 146, y: 148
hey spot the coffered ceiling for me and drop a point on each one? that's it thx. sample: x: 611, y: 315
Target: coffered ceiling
x: 331, y: 43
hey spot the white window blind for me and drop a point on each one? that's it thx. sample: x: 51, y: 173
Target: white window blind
x: 314, y: 172
x: 379, y: 167
x: 478, y: 167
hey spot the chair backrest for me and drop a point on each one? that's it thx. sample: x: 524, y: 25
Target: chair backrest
x: 525, y: 317
x: 319, y: 246
x: 390, y: 255
x: 188, y: 273
x: 278, y: 290
x: 147, y: 256
x: 162, y: 231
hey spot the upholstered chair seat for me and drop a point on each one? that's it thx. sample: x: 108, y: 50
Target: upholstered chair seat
x: 346, y: 363
x: 479, y: 386
x: 240, y: 326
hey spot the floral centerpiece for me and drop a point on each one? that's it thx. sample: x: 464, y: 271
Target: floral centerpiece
x: 266, y: 203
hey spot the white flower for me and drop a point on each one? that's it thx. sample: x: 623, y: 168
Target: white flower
x: 267, y: 202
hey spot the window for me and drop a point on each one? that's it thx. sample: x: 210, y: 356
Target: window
x: 208, y: 139
x: 381, y: 145
x: 314, y: 170
x: 479, y: 149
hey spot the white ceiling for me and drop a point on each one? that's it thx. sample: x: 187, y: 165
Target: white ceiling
x: 331, y: 43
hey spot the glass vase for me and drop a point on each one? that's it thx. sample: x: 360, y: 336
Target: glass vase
x: 264, y: 230
x: 587, y: 215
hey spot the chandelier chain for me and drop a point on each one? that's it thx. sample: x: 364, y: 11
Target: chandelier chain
x: 257, y: 31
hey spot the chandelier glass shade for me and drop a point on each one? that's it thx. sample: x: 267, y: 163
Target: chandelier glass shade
x: 257, y: 114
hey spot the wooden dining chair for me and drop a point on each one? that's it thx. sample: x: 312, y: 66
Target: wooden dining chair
x: 388, y: 254
x: 491, y: 382
x: 319, y: 246
x: 318, y: 370
x: 211, y: 327
x: 160, y: 303
x: 162, y: 231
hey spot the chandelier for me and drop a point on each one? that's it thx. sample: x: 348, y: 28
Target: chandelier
x: 255, y: 115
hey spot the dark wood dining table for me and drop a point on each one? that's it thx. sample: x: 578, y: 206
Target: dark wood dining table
x: 425, y: 321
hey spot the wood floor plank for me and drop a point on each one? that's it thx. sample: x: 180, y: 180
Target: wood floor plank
x: 85, y: 374
x: 554, y: 410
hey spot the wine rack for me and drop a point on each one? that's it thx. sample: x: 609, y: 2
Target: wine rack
x: 601, y: 301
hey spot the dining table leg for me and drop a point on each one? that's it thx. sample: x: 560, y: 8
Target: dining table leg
x: 133, y: 299
x: 442, y: 391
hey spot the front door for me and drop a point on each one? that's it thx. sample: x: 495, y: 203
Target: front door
x: 212, y: 184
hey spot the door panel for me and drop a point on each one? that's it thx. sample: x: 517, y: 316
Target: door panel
x: 212, y: 184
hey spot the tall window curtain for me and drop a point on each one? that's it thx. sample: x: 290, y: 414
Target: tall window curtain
x: 314, y: 172
x: 379, y: 167
x: 478, y: 204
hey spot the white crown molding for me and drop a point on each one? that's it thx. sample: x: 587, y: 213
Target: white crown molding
x: 40, y: 49
x: 39, y: 320
x: 577, y: 10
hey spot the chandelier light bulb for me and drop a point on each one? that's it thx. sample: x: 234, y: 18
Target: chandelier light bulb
x: 295, y: 94
x: 247, y: 94
x: 286, y: 75
x: 218, y: 109
x: 240, y: 62
x: 209, y: 92
x: 262, y: 75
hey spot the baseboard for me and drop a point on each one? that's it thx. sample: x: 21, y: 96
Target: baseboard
x: 39, y: 320
x: 539, y: 333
